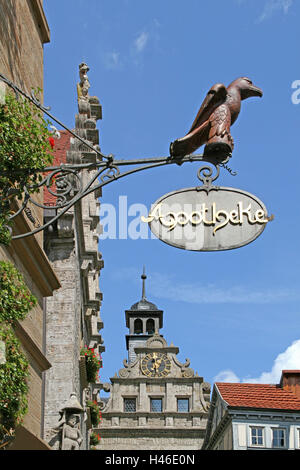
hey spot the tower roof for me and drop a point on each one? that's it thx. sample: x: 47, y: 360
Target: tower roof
x: 144, y: 304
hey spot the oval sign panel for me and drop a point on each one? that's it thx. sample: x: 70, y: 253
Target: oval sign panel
x: 200, y: 220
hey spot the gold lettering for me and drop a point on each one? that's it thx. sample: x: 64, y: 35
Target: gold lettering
x: 207, y: 222
x: 218, y: 216
x: 153, y: 214
x: 184, y: 216
x: 245, y: 212
x: 170, y: 224
x: 260, y: 217
x: 196, y: 214
x: 236, y: 216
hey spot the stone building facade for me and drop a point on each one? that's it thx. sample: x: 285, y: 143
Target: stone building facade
x: 72, y: 314
x: 24, y: 31
x: 155, y: 402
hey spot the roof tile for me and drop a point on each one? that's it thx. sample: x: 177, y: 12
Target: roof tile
x: 248, y: 395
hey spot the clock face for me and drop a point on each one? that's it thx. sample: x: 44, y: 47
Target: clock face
x: 156, y: 364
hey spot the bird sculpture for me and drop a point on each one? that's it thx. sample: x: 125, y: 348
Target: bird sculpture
x: 217, y: 113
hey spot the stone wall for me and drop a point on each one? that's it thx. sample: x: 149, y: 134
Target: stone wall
x: 72, y: 315
x: 24, y: 30
x: 143, y: 429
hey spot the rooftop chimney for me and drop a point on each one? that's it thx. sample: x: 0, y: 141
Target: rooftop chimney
x: 290, y: 381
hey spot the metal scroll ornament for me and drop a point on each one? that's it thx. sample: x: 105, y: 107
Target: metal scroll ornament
x: 218, y: 218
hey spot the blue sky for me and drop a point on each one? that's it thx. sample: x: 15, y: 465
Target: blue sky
x: 234, y: 314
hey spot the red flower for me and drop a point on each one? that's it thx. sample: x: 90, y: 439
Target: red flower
x: 51, y: 141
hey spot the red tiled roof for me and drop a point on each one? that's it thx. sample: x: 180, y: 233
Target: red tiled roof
x: 61, y: 146
x: 258, y: 396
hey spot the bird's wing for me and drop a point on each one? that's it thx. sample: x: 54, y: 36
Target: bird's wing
x: 220, y: 121
x: 216, y: 96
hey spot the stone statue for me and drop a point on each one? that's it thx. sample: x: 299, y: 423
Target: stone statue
x: 84, y: 84
x: 71, y: 435
x: 217, y: 113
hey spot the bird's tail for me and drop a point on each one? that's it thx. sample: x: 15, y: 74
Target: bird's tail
x: 190, y: 142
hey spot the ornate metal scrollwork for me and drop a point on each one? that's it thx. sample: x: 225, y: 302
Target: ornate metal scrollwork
x: 204, y: 174
x: 65, y: 183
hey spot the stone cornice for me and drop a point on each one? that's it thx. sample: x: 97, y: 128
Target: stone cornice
x: 153, y: 431
x: 43, y: 26
x: 262, y: 414
x: 159, y: 380
x: 30, y: 346
x: 151, y: 414
x: 149, y: 349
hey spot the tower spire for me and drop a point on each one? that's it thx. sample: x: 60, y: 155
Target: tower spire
x: 143, y: 277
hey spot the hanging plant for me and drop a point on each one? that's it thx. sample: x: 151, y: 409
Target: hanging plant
x: 25, y: 148
x: 96, y: 416
x: 92, y: 363
x: 13, y: 386
x: 15, y: 298
x: 15, y: 302
x: 94, y: 439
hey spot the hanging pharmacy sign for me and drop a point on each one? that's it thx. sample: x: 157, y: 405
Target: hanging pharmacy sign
x: 207, y: 219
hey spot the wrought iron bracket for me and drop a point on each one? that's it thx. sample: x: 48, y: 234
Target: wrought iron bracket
x: 68, y: 183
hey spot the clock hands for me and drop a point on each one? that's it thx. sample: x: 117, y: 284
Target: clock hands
x: 156, y: 363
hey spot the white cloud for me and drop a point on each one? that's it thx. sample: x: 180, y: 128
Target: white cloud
x: 112, y: 60
x: 226, y: 376
x: 289, y: 359
x: 271, y: 6
x: 141, y: 41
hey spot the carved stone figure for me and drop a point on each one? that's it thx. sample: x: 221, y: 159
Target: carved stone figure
x: 217, y: 113
x: 71, y: 435
x: 84, y: 85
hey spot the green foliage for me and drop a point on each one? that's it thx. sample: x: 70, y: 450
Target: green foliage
x: 13, y: 385
x: 96, y: 416
x: 24, y: 149
x: 5, y: 235
x: 15, y: 302
x: 15, y: 298
x: 92, y: 363
x: 94, y: 439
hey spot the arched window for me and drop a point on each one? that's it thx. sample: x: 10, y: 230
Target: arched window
x: 138, y: 326
x: 150, y: 326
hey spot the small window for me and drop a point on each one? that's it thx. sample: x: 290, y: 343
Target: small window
x: 150, y: 326
x: 138, y: 326
x: 156, y: 405
x: 129, y: 405
x: 278, y: 437
x: 183, y: 405
x: 257, y: 436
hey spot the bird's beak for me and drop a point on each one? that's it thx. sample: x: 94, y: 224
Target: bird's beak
x: 252, y: 91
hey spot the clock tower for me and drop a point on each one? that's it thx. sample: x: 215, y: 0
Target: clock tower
x: 156, y: 402
x: 142, y: 319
